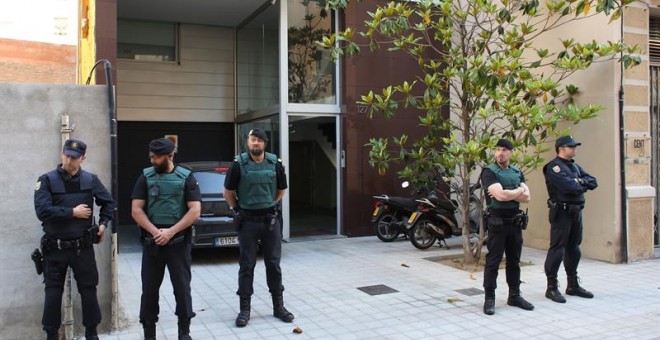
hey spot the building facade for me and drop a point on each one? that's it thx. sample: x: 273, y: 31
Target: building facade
x: 211, y: 73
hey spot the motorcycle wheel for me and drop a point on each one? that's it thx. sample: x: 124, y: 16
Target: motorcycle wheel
x: 422, y: 235
x: 385, y: 231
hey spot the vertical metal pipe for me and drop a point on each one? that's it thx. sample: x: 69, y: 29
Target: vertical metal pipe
x: 622, y: 163
x: 66, y: 130
x: 112, y: 115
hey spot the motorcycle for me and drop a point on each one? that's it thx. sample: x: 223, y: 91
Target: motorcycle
x: 437, y: 217
x: 390, y: 215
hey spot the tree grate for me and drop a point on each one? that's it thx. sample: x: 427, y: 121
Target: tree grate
x: 378, y: 290
x: 470, y: 291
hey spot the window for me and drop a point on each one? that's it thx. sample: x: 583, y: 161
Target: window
x: 654, y: 40
x: 146, y: 41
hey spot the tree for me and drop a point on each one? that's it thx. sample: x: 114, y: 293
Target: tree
x: 482, y: 63
x: 306, y: 84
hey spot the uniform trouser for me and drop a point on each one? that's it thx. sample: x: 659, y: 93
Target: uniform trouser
x: 177, y: 258
x: 565, y: 240
x: 506, y: 240
x: 249, y: 233
x: 83, y: 264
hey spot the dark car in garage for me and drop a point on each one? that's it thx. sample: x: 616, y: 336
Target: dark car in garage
x: 215, y: 226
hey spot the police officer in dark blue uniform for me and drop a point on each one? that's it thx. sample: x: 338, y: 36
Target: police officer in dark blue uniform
x: 254, y: 185
x: 166, y: 202
x: 63, y: 200
x: 506, y: 189
x: 566, y: 182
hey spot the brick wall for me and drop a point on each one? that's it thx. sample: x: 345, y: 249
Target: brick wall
x: 36, y: 62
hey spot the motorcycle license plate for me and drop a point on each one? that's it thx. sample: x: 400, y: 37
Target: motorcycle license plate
x: 412, y: 218
x: 226, y: 241
x: 376, y: 211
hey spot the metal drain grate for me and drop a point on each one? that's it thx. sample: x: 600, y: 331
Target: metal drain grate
x: 470, y: 291
x: 378, y: 290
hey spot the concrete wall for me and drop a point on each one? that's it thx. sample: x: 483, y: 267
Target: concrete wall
x: 30, y: 122
x: 598, y: 154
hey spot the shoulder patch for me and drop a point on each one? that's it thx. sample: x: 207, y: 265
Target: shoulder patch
x: 37, y: 185
x: 556, y: 168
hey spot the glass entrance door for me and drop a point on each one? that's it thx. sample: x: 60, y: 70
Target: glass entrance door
x: 313, y: 175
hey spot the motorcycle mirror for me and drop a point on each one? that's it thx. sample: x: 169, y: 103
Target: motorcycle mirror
x: 405, y: 184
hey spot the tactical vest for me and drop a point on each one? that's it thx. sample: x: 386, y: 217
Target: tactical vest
x: 166, y: 195
x: 510, y: 178
x: 73, y: 227
x: 258, y: 185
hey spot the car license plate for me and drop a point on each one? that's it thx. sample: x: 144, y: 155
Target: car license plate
x: 412, y: 218
x: 226, y: 241
x: 376, y: 211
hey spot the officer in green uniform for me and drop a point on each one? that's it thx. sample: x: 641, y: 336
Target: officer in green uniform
x: 166, y: 202
x: 254, y: 186
x: 506, y: 190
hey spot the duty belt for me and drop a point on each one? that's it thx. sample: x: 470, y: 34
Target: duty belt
x: 258, y: 218
x: 564, y: 205
x: 79, y: 243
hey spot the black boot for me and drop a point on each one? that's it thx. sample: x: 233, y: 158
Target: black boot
x: 552, y: 292
x: 184, y: 329
x: 52, y: 335
x: 516, y: 300
x: 90, y: 334
x: 573, y: 288
x: 279, y: 311
x: 489, y: 303
x: 244, y: 314
x: 149, y: 331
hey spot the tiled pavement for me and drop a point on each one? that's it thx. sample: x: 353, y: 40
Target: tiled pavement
x: 322, y: 278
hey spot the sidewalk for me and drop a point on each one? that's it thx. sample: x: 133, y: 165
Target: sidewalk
x: 322, y: 278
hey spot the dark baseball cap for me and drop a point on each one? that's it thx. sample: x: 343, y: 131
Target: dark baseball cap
x: 161, y: 146
x: 566, y: 141
x: 74, y: 148
x: 258, y: 133
x: 504, y: 143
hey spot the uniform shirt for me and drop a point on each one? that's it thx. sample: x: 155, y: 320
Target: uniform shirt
x: 234, y: 176
x: 191, y: 193
x: 561, y: 180
x: 47, y: 212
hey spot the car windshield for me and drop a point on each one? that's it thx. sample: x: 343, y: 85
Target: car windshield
x: 210, y: 182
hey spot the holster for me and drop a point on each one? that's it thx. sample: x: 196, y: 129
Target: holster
x: 521, y: 220
x: 38, y: 260
x: 553, y: 210
x: 93, y: 234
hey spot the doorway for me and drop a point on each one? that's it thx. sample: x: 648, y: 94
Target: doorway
x: 312, y: 175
